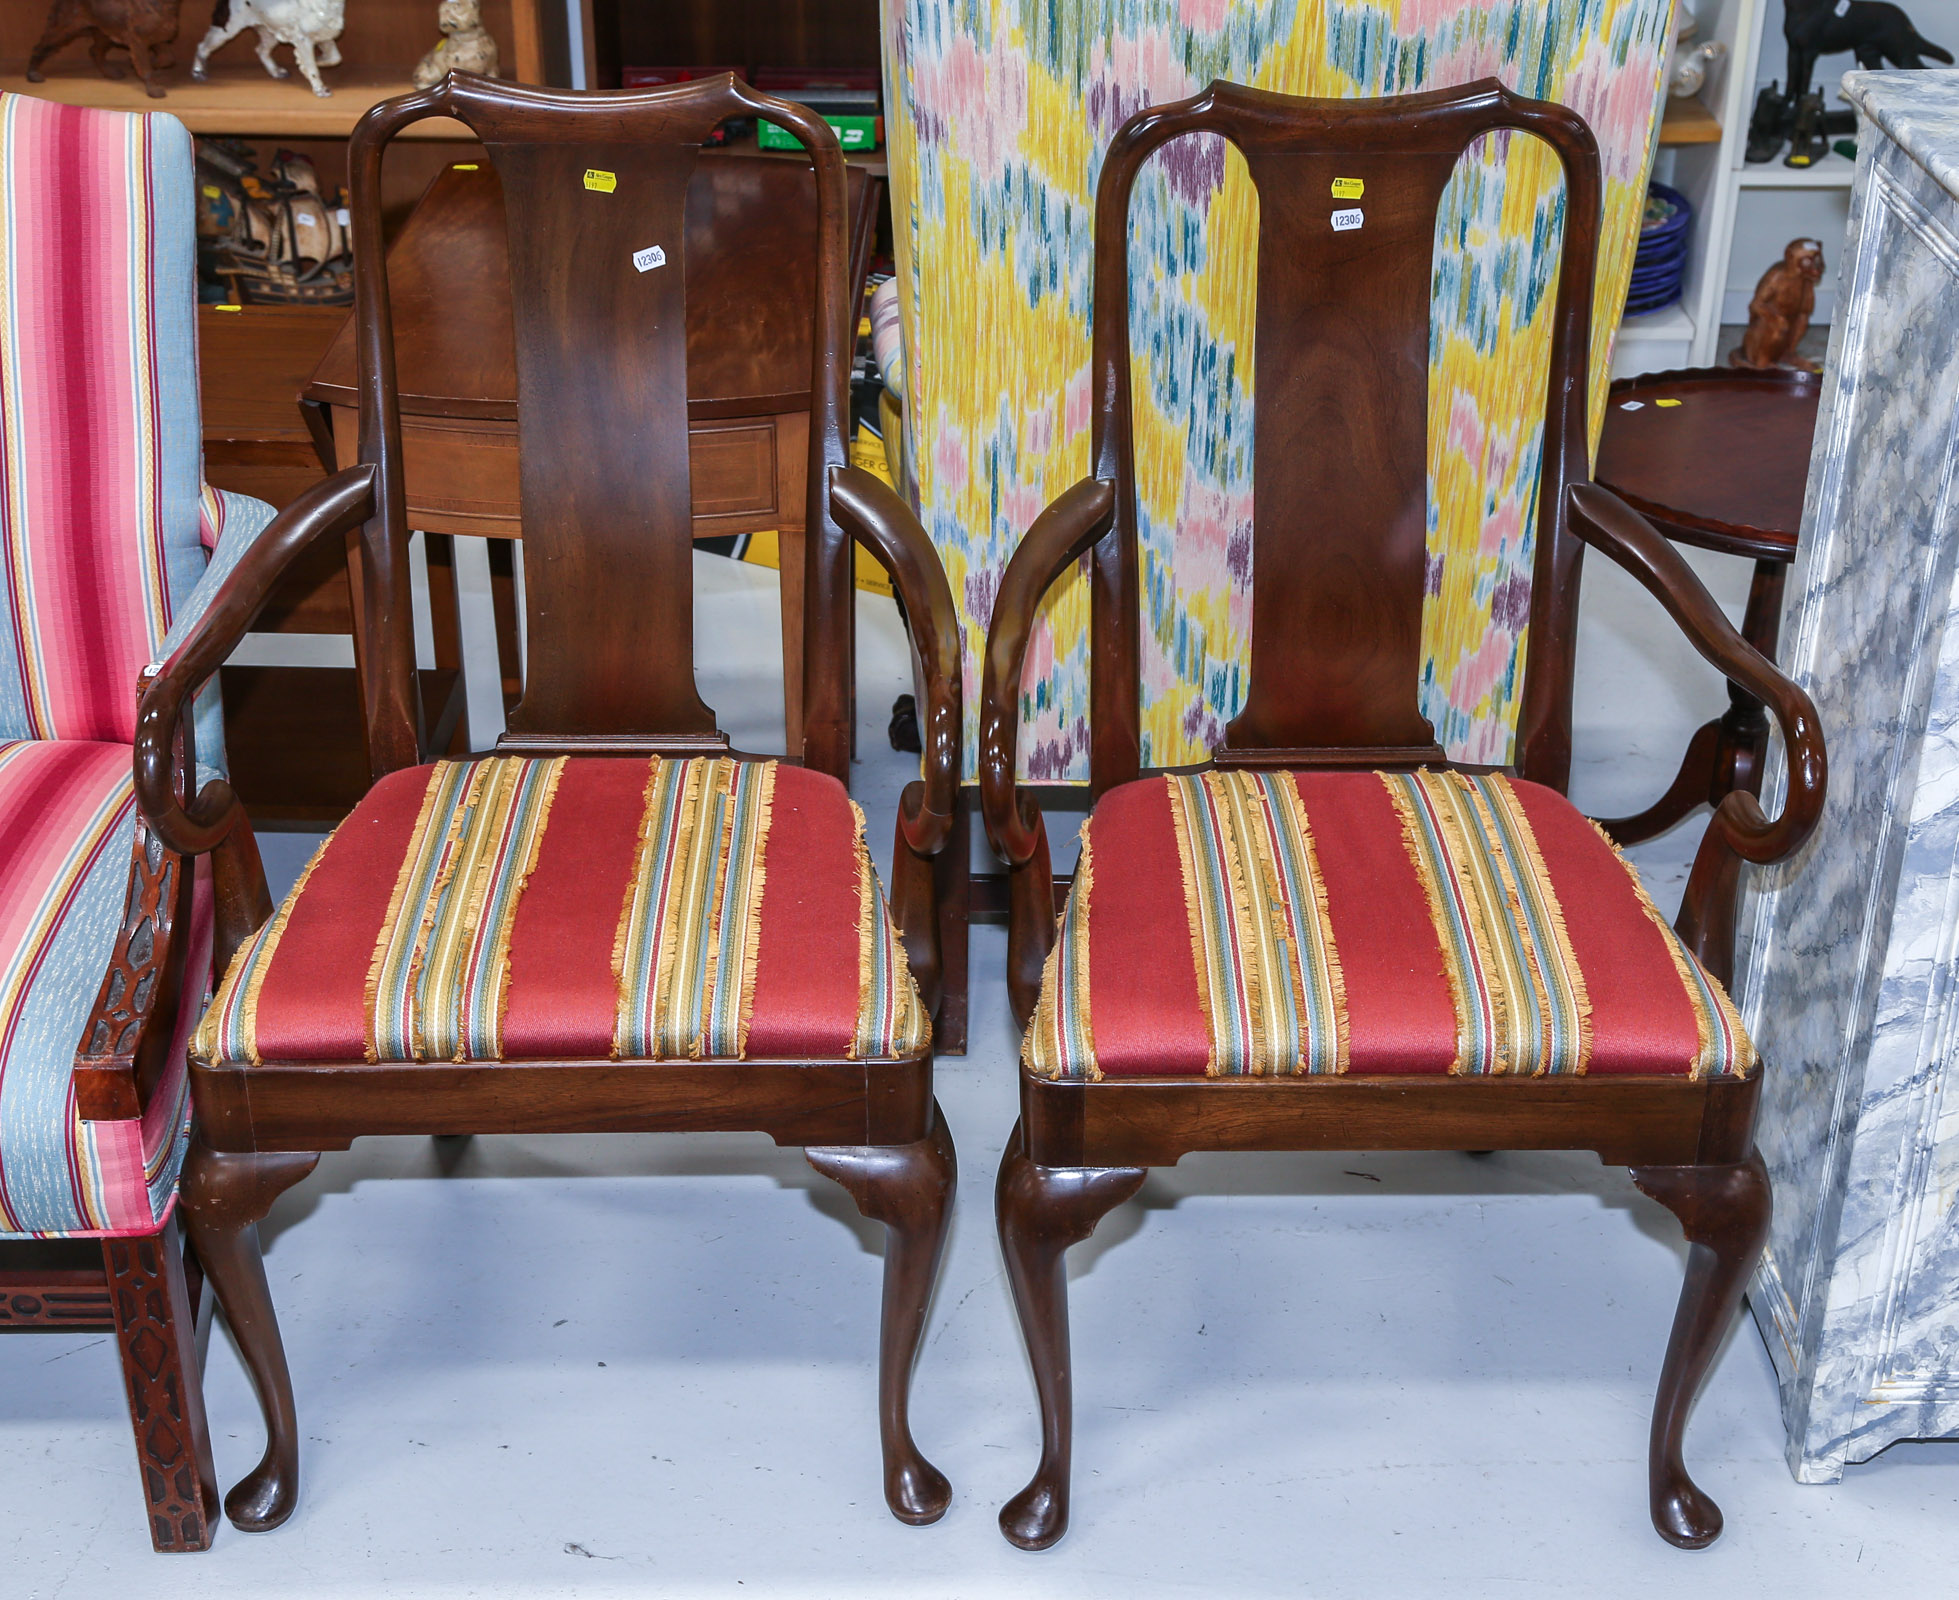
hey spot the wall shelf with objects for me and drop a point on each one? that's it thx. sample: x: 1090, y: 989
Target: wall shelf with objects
x: 380, y: 45
x: 292, y: 711
x: 1746, y: 212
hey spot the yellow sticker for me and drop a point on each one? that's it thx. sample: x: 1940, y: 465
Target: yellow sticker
x: 1666, y: 402
x: 465, y: 166
x: 604, y: 182
x: 227, y: 308
x: 213, y: 192
x: 1348, y: 188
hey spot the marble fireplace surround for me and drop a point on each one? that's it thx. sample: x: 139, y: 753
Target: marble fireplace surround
x: 1846, y: 973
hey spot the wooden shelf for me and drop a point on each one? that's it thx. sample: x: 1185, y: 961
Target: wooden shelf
x: 1687, y: 121
x: 239, y: 99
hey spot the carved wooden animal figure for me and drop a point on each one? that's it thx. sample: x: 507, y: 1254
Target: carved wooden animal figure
x: 311, y: 27
x: 466, y: 45
x: 1876, y: 31
x: 1778, y: 316
x: 142, y: 27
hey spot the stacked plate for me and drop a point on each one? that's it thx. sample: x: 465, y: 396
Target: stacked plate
x: 1660, y: 263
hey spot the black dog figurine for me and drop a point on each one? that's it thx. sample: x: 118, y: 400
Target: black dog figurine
x: 1873, y: 30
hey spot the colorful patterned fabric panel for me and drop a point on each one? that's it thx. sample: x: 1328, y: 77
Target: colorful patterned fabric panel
x: 887, y: 336
x: 1366, y: 923
x: 999, y: 112
x: 591, y: 908
x: 99, y: 422
x: 67, y: 823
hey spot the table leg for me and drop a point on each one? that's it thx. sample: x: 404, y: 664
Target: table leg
x: 789, y: 560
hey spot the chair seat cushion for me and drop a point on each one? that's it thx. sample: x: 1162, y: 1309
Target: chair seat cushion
x: 1267, y: 923
x: 67, y: 823
x: 577, y: 909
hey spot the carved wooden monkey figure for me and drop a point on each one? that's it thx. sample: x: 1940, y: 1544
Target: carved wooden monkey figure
x: 1778, y: 316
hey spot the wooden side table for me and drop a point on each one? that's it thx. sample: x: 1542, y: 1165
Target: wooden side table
x: 1716, y: 457
x: 750, y: 261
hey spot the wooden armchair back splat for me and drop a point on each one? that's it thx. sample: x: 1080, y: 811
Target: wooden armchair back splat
x: 1310, y: 882
x: 589, y: 930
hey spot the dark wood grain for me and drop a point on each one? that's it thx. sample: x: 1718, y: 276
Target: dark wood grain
x: 1716, y: 457
x: 1335, y: 657
x: 1724, y: 1211
x: 156, y: 1338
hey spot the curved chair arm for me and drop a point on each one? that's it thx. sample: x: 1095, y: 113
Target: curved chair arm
x: 1060, y: 536
x: 873, y: 514
x: 1609, y: 525
x: 344, y: 501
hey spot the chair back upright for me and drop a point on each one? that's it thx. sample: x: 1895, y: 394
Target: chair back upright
x: 595, y: 190
x: 1348, y: 195
x: 100, y: 450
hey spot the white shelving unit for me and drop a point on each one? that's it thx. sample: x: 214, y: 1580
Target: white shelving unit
x: 1744, y: 215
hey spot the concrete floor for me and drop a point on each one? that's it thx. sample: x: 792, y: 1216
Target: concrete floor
x: 639, y: 1366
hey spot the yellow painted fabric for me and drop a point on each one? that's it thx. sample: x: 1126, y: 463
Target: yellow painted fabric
x: 998, y: 112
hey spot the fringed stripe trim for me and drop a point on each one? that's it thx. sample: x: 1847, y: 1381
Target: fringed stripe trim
x: 1520, y: 999
x: 1268, y: 972
x: 689, y: 932
x: 426, y: 869
x: 1060, y: 1041
x: 891, y: 1019
x: 228, y: 1030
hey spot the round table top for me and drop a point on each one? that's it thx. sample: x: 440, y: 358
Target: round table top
x: 1715, y: 456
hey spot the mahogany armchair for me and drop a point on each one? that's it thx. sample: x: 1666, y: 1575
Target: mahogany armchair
x: 613, y: 922
x: 1327, y: 937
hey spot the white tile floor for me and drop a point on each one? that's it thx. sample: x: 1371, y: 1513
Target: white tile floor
x: 638, y: 1366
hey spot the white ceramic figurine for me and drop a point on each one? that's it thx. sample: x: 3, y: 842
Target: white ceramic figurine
x: 466, y: 45
x: 311, y: 27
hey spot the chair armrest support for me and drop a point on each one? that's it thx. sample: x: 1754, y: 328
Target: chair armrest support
x: 874, y: 515
x: 1609, y: 525
x: 1060, y: 536
x: 343, y: 501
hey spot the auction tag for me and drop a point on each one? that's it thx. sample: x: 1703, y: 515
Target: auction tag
x: 1346, y: 221
x: 649, y: 258
x: 344, y: 217
x: 604, y: 182
x: 1348, y: 188
x: 1666, y: 402
x: 1632, y: 405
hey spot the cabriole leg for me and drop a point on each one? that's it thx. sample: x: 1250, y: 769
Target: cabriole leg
x: 1724, y: 1211
x: 1041, y: 1212
x: 224, y: 1196
x: 907, y: 1187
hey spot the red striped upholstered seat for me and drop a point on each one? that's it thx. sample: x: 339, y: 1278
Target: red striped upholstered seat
x: 583, y: 908
x: 1366, y: 922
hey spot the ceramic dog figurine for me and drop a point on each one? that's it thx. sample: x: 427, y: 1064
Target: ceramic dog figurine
x: 466, y: 45
x: 310, y: 27
x: 142, y: 27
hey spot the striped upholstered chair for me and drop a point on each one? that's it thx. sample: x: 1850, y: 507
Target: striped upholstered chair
x: 1331, y: 938
x: 105, y: 937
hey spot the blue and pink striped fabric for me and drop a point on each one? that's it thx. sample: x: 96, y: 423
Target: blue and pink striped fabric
x: 67, y: 821
x: 99, y: 419
x: 104, y: 529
